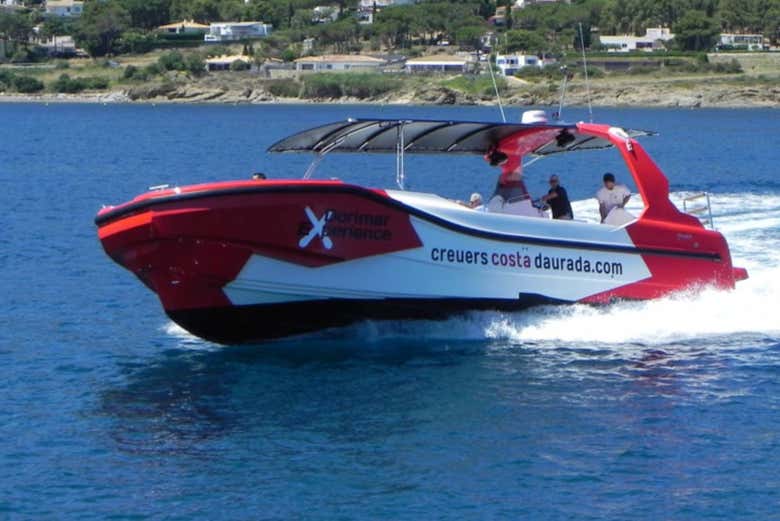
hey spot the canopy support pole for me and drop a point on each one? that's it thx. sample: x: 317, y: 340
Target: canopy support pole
x: 400, y: 175
x: 319, y: 157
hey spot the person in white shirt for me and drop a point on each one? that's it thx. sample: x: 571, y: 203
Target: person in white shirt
x: 611, y: 196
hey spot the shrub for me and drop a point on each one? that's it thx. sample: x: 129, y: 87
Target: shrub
x: 358, y: 85
x: 284, y: 88
x: 135, y: 73
x: 130, y: 72
x: 95, y: 82
x: 6, y: 79
x: 289, y: 54
x: 176, y: 61
x: 152, y: 69
x: 322, y: 85
x: 67, y: 84
x: 172, y: 61
x: 70, y: 85
x: 731, y: 67
x: 367, y: 85
x: 195, y: 65
x: 22, y: 55
x: 239, y: 65
x: 27, y: 84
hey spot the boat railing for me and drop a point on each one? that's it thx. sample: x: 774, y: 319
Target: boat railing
x: 699, y: 206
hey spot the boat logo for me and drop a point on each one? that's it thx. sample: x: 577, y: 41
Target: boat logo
x: 317, y: 229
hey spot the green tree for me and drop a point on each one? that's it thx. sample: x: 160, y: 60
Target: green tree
x: 744, y: 15
x: 134, y: 41
x: 525, y: 41
x: 100, y: 27
x: 470, y: 36
x: 15, y: 26
x: 772, y: 22
x: 695, y: 31
x: 147, y: 14
x: 341, y: 34
x: 396, y: 24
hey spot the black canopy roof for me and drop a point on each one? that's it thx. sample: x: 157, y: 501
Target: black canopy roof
x: 439, y: 136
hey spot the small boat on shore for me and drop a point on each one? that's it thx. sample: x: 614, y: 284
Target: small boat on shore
x: 249, y: 261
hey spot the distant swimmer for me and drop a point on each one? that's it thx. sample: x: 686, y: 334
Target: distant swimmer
x: 558, y: 200
x: 611, y: 196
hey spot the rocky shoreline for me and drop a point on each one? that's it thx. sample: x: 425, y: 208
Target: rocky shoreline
x: 684, y: 93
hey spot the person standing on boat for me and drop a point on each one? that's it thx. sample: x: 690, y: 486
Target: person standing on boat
x: 558, y: 200
x: 611, y: 196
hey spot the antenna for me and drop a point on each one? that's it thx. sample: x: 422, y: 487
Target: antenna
x: 565, y: 71
x: 495, y: 88
x: 585, y: 66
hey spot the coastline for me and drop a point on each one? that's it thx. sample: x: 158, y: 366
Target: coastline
x: 692, y: 92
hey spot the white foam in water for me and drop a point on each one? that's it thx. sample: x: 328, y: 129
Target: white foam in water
x: 751, y: 225
x: 186, y: 339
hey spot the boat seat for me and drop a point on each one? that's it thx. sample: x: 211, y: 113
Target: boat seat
x: 521, y: 206
x: 619, y: 216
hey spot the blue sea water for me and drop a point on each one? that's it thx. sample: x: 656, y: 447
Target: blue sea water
x: 661, y: 410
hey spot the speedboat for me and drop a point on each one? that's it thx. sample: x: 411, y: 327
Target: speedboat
x: 253, y: 260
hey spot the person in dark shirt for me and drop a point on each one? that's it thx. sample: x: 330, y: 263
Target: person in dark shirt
x: 558, y: 200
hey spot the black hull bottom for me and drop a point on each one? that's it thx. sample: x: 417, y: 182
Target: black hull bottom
x: 252, y: 324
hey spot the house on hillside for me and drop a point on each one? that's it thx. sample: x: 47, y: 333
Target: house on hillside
x: 323, y: 14
x: 439, y: 63
x: 367, y: 8
x: 499, y: 19
x: 10, y: 4
x: 63, y: 46
x: 655, y: 38
x: 510, y: 64
x: 750, y: 42
x: 237, y: 31
x: 185, y: 27
x: 64, y: 8
x: 338, y: 63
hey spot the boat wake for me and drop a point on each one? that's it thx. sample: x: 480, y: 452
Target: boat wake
x: 751, y: 224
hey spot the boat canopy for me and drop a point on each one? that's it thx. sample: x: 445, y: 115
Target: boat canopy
x: 442, y: 136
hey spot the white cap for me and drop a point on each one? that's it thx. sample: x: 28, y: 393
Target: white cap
x: 475, y: 197
x: 533, y: 116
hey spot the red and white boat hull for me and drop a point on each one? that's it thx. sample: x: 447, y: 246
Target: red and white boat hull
x: 250, y: 261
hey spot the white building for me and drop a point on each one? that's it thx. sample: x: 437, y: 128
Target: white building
x: 10, y: 3
x: 751, y: 42
x: 59, y: 46
x: 510, y: 64
x: 64, y: 8
x: 237, y: 31
x: 438, y: 63
x: 338, y: 63
x: 366, y: 8
x: 654, y: 38
x: 323, y: 14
